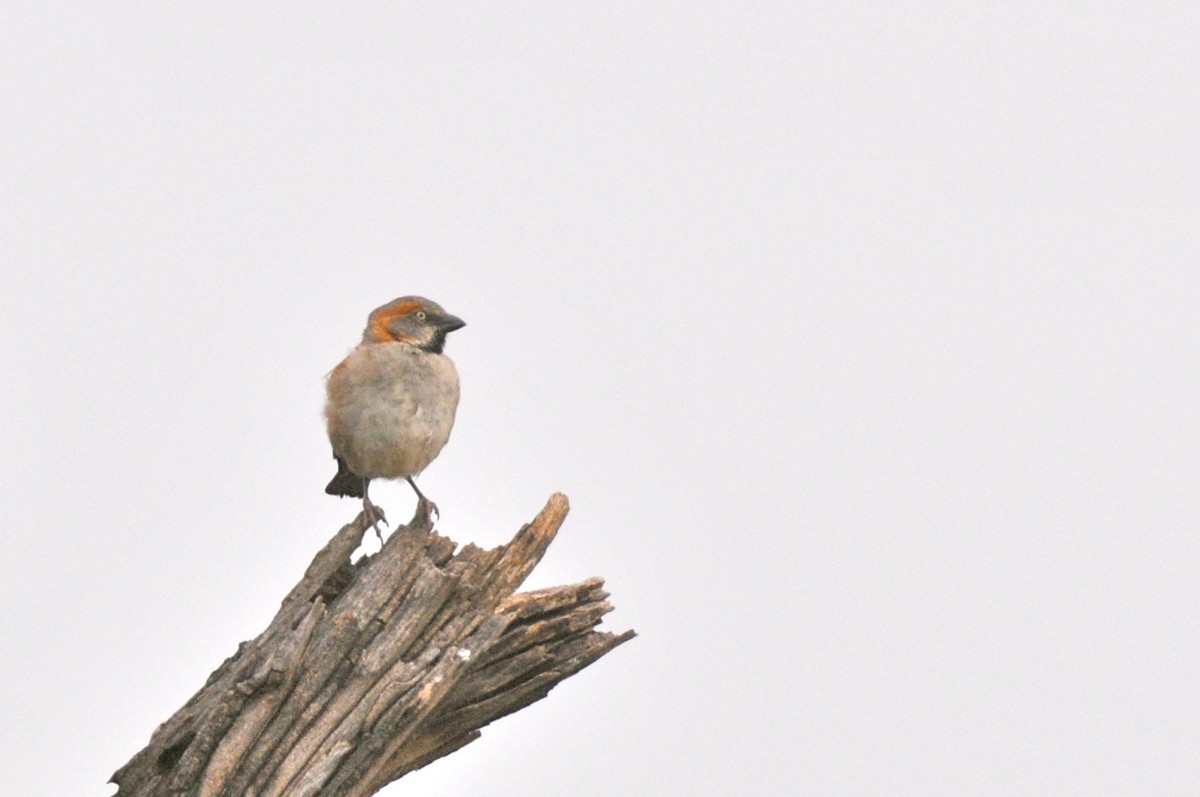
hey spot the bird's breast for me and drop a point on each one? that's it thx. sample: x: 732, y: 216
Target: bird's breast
x: 390, y: 408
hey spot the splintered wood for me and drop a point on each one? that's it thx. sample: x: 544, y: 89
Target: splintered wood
x: 374, y: 669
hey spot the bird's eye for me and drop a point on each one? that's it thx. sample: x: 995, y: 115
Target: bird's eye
x: 420, y: 315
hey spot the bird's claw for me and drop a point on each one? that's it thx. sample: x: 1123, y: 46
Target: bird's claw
x: 376, y: 516
x: 427, y: 510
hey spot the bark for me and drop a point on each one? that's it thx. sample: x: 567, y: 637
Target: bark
x: 374, y: 669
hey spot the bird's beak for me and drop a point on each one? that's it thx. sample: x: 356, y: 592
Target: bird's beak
x: 449, y: 323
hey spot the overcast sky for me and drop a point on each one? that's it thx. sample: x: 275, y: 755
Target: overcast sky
x: 862, y: 336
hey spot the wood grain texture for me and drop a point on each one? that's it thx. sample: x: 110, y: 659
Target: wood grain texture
x: 374, y: 669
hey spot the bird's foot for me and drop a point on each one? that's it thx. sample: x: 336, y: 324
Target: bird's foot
x: 376, y: 516
x: 426, y: 510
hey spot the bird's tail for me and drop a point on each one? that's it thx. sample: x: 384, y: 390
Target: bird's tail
x: 346, y: 483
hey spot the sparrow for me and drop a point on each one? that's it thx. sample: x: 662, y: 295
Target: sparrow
x: 390, y: 404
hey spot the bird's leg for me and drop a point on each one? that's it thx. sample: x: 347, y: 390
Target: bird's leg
x: 373, y: 512
x: 425, y: 508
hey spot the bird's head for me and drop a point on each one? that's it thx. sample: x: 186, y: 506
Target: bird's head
x: 413, y: 320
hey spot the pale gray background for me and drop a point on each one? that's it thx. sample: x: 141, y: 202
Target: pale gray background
x: 863, y: 338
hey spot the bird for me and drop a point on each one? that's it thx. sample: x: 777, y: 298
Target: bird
x: 390, y: 403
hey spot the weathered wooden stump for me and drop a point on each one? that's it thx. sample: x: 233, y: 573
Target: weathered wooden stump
x: 373, y: 669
